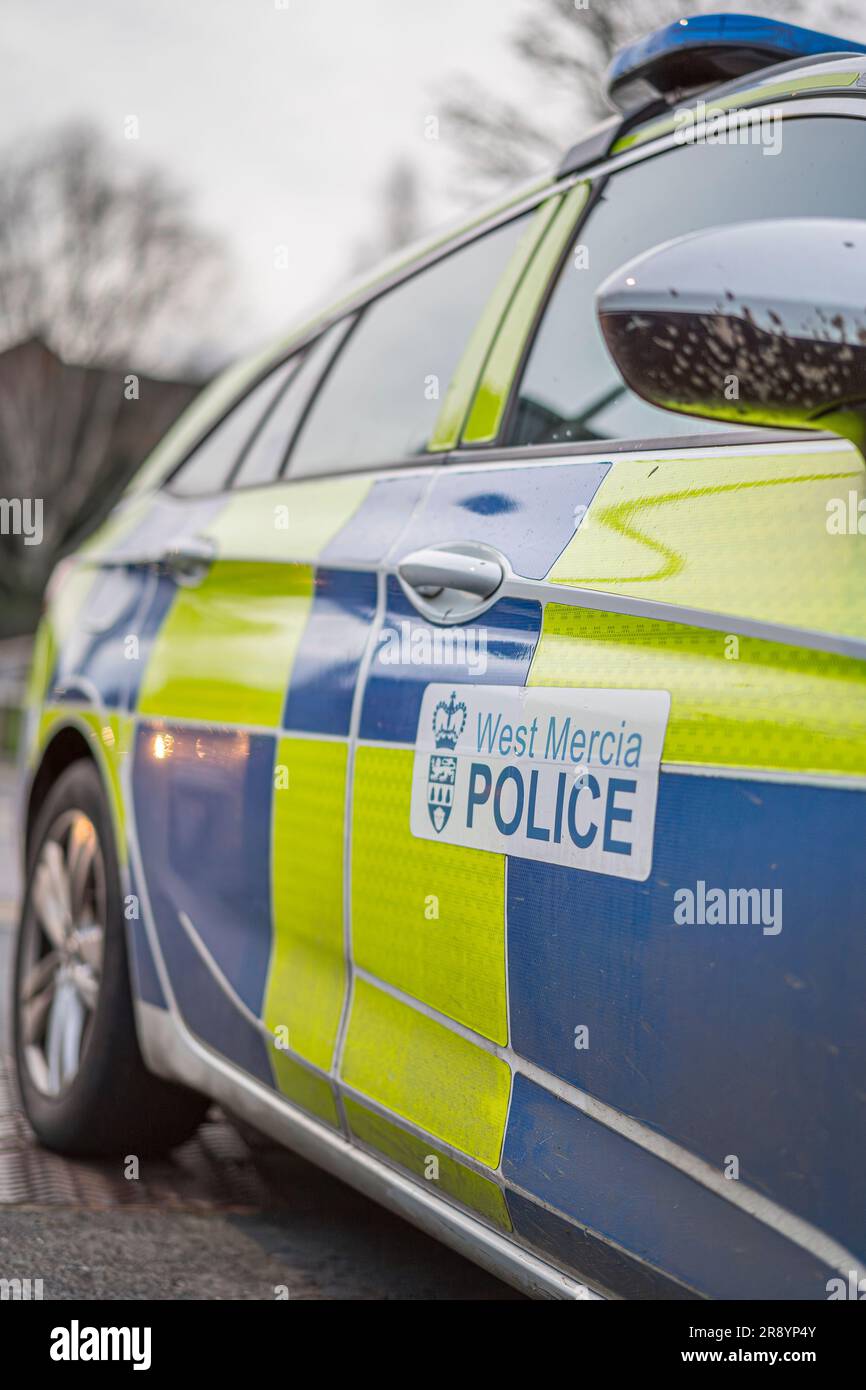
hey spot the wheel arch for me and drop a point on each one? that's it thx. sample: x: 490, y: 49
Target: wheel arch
x: 70, y: 740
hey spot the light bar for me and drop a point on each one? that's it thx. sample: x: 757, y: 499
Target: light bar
x: 708, y: 49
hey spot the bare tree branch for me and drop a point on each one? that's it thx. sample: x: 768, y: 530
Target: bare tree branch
x: 103, y: 273
x: 400, y: 219
x: 563, y: 52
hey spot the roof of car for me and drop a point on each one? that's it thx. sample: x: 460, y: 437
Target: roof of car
x: 830, y: 74
x: 840, y: 73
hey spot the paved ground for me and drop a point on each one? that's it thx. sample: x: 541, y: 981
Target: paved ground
x: 217, y: 1221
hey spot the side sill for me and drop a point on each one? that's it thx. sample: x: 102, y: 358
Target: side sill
x: 171, y: 1051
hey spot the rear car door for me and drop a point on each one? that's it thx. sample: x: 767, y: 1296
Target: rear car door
x: 255, y: 655
x: 603, y: 993
x: 273, y: 532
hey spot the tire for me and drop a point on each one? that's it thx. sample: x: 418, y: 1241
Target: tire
x: 105, y: 1103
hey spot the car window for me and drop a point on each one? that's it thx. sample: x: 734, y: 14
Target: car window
x: 208, y: 467
x: 571, y: 389
x: 379, y: 402
x: 264, y: 454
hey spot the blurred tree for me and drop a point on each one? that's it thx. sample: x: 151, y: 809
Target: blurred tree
x: 562, y: 50
x: 103, y: 276
x: 399, y: 219
x: 99, y: 256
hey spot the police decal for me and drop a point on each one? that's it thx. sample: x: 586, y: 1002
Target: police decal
x: 449, y: 721
x: 565, y: 776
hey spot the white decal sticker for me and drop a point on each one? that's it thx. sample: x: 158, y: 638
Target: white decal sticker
x: 565, y: 776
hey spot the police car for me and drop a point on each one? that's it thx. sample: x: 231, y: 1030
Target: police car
x: 450, y: 756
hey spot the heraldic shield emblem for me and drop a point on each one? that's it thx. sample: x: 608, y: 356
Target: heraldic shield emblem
x: 449, y: 721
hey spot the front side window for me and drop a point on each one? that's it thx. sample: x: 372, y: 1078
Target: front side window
x: 571, y: 389
x: 379, y: 403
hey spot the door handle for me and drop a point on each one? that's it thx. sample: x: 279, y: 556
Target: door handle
x: 188, y: 559
x: 431, y: 571
x: 451, y: 583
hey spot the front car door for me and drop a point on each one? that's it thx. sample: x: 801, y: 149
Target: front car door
x: 639, y: 1054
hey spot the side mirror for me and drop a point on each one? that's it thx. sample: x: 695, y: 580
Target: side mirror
x: 759, y: 323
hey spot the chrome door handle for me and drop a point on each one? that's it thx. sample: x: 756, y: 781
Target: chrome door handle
x: 189, y: 559
x: 431, y: 571
x: 452, y: 583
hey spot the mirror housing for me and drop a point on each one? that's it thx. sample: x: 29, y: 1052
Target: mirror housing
x: 758, y: 323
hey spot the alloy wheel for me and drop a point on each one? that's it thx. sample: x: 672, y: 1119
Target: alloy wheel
x: 61, y: 962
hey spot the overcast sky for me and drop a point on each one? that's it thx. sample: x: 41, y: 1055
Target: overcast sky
x: 281, y: 122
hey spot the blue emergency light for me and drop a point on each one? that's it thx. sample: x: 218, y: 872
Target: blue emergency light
x: 708, y: 49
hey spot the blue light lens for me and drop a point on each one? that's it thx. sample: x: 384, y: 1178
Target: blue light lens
x: 717, y: 46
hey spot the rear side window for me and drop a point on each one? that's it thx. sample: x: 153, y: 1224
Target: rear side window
x: 571, y: 389
x: 208, y: 467
x: 379, y: 403
x: 251, y: 444
x: 264, y: 455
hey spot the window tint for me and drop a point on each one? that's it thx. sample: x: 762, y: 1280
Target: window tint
x: 380, y: 400
x: 208, y: 466
x: 265, y: 453
x: 571, y: 389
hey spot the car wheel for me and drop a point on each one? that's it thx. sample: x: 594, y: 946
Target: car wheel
x: 85, y: 1088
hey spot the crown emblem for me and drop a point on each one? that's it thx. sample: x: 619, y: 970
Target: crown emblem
x: 449, y: 721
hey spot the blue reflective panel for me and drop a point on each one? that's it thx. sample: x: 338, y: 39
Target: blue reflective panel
x: 529, y: 514
x: 495, y: 649
x: 712, y: 47
x: 202, y: 798
x: 602, y: 1265
x: 325, y: 670
x: 728, y: 1038
x: 124, y: 602
x: 167, y: 519
x: 371, y: 531
x: 644, y: 1206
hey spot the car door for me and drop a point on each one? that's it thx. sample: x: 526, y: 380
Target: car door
x: 601, y: 994
x: 423, y: 1080
x: 684, y: 1041
x: 242, y: 718
x: 272, y: 533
